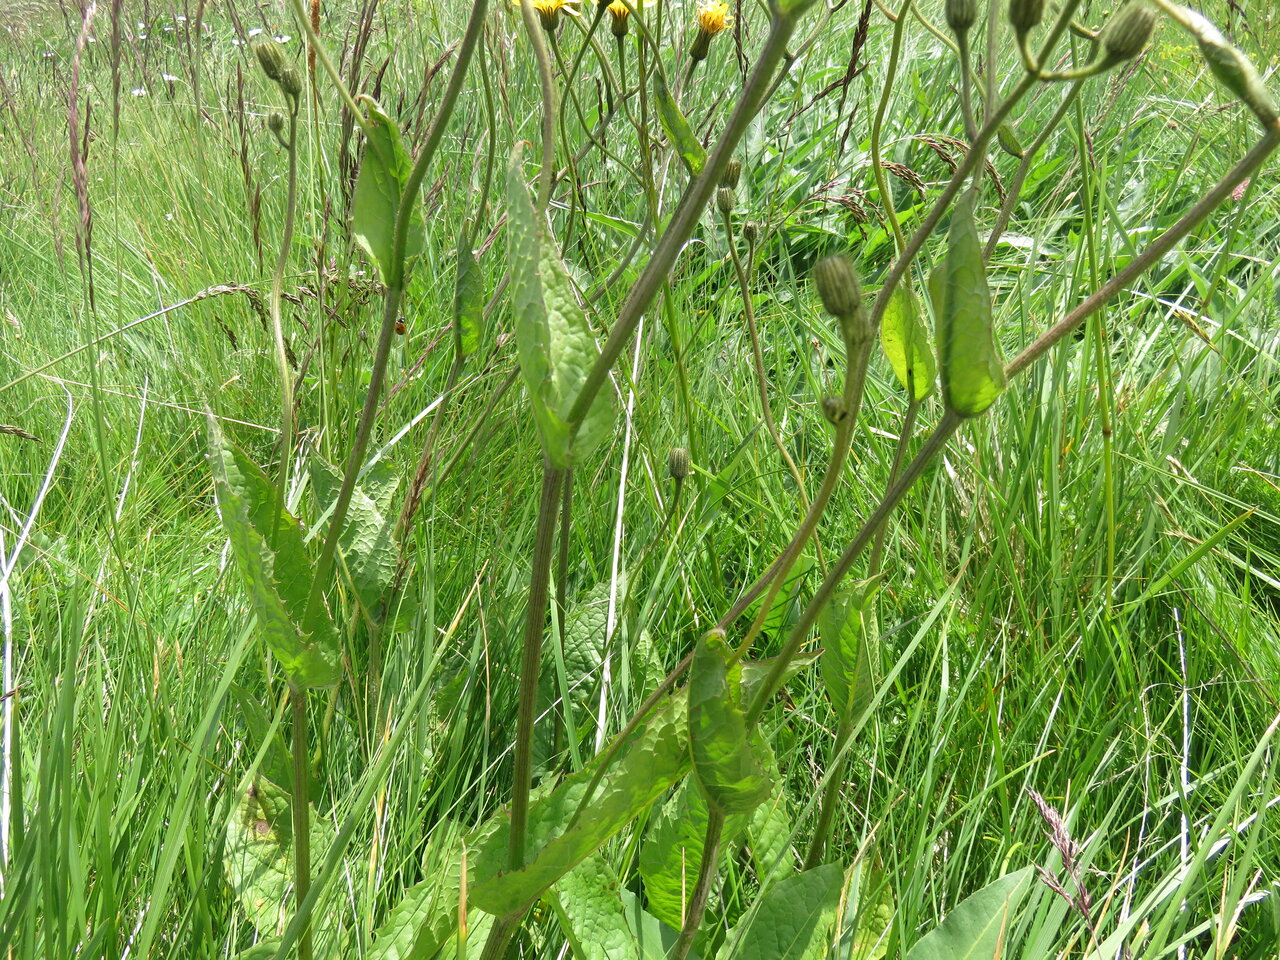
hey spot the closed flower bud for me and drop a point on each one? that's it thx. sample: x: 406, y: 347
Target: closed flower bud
x: 1128, y: 33
x: 275, y: 123
x: 732, y: 174
x: 1025, y: 15
x: 833, y: 409
x: 271, y: 59
x: 841, y: 294
x: 725, y: 199
x: 291, y: 83
x: 751, y: 231
x: 961, y: 14
x: 678, y: 463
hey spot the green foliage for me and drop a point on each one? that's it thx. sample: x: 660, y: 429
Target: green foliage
x: 379, y: 189
x: 677, y: 127
x: 972, y: 371
x: 273, y: 562
x: 906, y: 343
x: 588, y: 903
x: 849, y: 632
x: 731, y: 762
x: 978, y: 927
x: 792, y: 920
x: 368, y: 544
x: 555, y: 344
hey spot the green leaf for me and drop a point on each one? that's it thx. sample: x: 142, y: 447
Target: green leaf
x: 427, y: 916
x: 677, y: 127
x: 848, y: 627
x: 273, y: 563
x: 671, y: 854
x: 792, y: 920
x: 972, y: 371
x: 379, y: 187
x: 977, y: 929
x: 654, y: 938
x: 1009, y: 141
x: 468, y: 299
x: 731, y: 765
x: 368, y: 542
x: 869, y: 914
x: 906, y: 343
x: 588, y: 903
x: 769, y: 838
x: 555, y: 345
x: 656, y: 756
x: 259, y: 862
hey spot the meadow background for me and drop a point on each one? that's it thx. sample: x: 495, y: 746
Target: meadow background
x: 1081, y: 596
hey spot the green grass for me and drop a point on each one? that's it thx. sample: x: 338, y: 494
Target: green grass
x: 1011, y: 658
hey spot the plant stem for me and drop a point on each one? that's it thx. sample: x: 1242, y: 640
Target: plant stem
x: 534, y: 625
x: 706, y: 873
x: 391, y: 302
x: 686, y: 217
x: 277, y: 324
x: 301, y: 804
x: 830, y: 796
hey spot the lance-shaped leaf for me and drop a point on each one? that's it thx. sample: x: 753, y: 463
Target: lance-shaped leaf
x: 906, y: 343
x: 555, y: 345
x: 671, y: 854
x: 655, y: 757
x: 259, y: 862
x: 677, y: 127
x: 731, y: 765
x: 368, y: 542
x: 588, y: 903
x: 972, y: 371
x: 792, y: 921
x: 978, y: 928
x: 379, y: 188
x: 267, y: 544
x: 468, y: 299
x: 848, y: 627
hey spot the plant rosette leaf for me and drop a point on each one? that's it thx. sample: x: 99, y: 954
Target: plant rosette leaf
x: 368, y: 543
x: 553, y: 340
x: 380, y: 185
x: 731, y: 765
x: 588, y: 903
x: 978, y: 927
x: 277, y: 573
x: 972, y: 370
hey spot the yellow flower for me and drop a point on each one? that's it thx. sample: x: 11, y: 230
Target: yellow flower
x: 713, y: 17
x: 549, y: 10
x: 619, y: 13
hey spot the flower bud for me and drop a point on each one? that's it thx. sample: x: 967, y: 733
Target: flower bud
x: 678, y: 463
x: 618, y: 14
x: 271, y: 59
x: 732, y: 174
x: 961, y: 14
x: 751, y: 231
x: 834, y: 410
x: 1025, y: 15
x: 275, y: 123
x: 838, y: 286
x: 725, y: 199
x: 291, y: 83
x: 1127, y: 33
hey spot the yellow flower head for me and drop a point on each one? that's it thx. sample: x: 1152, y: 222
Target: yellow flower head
x: 713, y: 17
x: 549, y: 10
x: 618, y: 12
